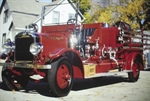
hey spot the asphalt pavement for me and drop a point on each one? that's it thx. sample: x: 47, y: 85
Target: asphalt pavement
x: 107, y: 88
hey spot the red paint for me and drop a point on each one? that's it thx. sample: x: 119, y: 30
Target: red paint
x: 63, y: 76
x: 107, y: 37
x: 106, y: 50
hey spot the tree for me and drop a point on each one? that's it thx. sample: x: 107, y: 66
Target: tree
x: 146, y: 21
x: 131, y: 12
x: 104, y: 11
x: 108, y: 15
x: 84, y: 5
x: 128, y: 11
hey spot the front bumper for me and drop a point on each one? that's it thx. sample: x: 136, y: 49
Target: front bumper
x: 25, y: 65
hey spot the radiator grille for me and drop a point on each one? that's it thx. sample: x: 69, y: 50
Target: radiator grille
x: 22, y: 45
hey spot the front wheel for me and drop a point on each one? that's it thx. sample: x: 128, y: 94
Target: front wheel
x: 134, y: 75
x: 13, y: 81
x: 60, y: 77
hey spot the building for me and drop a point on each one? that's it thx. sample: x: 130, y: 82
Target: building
x: 16, y: 14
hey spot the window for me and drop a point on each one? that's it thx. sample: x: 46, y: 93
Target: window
x: 71, y: 16
x: 56, y: 16
x: 5, y: 16
x: 4, y: 38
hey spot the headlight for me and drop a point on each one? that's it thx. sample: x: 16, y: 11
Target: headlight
x: 7, y: 48
x: 35, y: 48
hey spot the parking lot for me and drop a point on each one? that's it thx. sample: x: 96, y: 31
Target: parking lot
x: 110, y: 88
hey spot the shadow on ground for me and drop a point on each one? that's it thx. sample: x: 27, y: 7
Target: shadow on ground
x: 33, y: 88
x: 79, y: 84
x: 147, y: 69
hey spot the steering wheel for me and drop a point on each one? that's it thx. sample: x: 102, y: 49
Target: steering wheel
x: 71, y: 21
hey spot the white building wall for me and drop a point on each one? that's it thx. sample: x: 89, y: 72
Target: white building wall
x: 4, y: 27
x: 64, y: 10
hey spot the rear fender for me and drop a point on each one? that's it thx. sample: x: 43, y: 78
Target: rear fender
x: 130, y: 60
x: 73, y: 56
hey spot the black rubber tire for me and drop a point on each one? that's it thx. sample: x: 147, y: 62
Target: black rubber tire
x: 134, y: 76
x: 12, y: 81
x: 52, y: 77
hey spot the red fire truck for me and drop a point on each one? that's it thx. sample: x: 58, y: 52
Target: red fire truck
x: 61, y: 53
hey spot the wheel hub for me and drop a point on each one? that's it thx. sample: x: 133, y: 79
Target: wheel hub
x: 63, y: 76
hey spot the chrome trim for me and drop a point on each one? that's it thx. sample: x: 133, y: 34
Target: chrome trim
x: 32, y: 34
x: 24, y: 65
x: 35, y: 51
x: 111, y: 73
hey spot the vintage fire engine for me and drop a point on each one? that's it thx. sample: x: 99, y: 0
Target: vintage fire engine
x: 61, y: 53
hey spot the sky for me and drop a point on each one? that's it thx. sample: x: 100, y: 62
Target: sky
x: 0, y: 2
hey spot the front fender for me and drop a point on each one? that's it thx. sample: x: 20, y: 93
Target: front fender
x: 73, y: 56
x: 60, y: 52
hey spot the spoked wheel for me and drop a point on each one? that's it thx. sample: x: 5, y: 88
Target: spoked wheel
x: 60, y: 77
x: 134, y: 75
x: 13, y: 81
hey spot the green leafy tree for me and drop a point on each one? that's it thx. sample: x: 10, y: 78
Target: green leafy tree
x: 84, y: 5
x: 146, y: 21
x: 102, y: 13
x: 128, y: 11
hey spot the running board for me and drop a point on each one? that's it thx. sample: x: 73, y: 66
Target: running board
x: 90, y: 71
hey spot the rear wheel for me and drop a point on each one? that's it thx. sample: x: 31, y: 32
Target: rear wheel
x: 60, y: 77
x: 13, y: 81
x: 134, y: 75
